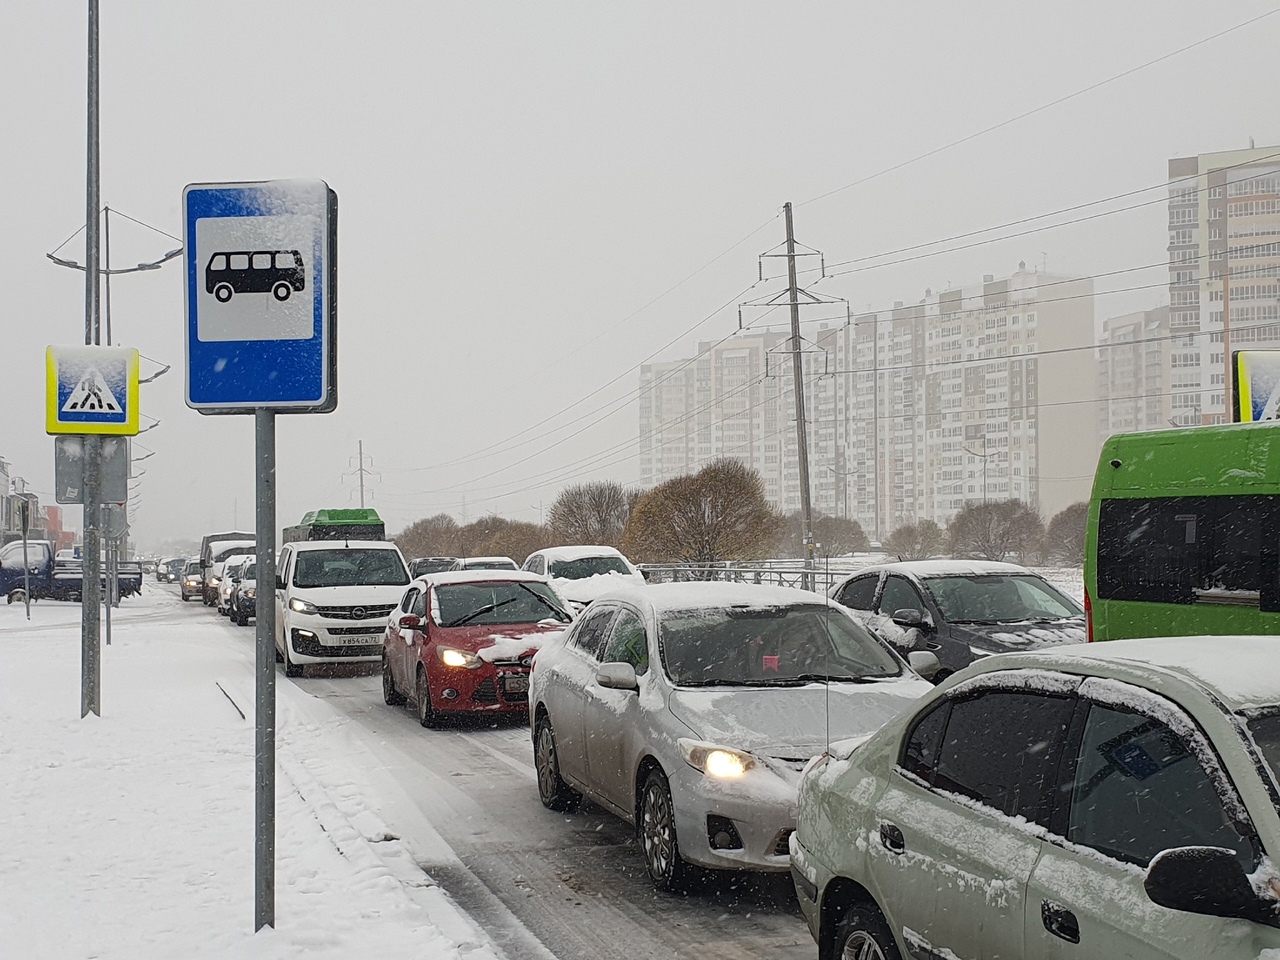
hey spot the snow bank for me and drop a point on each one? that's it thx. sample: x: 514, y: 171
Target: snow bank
x: 130, y: 836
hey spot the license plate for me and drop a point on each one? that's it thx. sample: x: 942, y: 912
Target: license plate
x: 360, y: 640
x: 515, y: 684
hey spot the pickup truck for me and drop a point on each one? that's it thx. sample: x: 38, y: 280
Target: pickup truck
x: 55, y: 579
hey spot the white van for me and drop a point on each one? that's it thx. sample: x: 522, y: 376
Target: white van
x: 333, y: 598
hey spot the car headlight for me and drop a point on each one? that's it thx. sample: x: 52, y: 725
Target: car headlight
x: 215, y: 581
x: 451, y: 657
x: 722, y: 762
x: 250, y: 594
x: 303, y: 606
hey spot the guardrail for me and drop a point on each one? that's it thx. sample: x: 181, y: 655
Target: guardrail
x: 818, y: 580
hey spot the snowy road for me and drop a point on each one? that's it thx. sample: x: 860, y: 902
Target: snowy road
x: 541, y: 884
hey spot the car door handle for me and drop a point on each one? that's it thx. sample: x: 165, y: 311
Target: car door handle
x: 1060, y: 921
x: 892, y: 838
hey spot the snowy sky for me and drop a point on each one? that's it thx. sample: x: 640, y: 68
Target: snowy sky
x: 522, y: 186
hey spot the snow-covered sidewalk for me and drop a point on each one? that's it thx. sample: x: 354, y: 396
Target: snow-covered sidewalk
x: 131, y: 835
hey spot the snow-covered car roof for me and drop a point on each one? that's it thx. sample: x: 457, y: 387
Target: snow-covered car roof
x: 947, y: 568
x: 487, y: 560
x: 303, y: 545
x: 661, y: 597
x: 1228, y: 666
x: 579, y: 552
x: 446, y: 577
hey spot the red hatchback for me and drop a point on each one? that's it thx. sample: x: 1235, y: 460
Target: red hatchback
x: 462, y: 642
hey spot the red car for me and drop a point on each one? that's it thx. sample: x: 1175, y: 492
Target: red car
x: 462, y: 642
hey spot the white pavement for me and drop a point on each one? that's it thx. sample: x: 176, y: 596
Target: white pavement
x: 131, y: 835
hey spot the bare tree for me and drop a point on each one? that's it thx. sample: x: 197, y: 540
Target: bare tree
x: 591, y: 513
x: 1064, y: 540
x: 997, y: 530
x: 718, y: 513
x: 834, y: 536
x: 916, y: 541
x: 495, y: 536
x: 435, y: 536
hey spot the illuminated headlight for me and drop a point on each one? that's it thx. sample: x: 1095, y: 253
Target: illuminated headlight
x: 249, y: 594
x: 303, y: 606
x: 458, y: 658
x: 215, y: 581
x: 193, y: 583
x: 722, y: 762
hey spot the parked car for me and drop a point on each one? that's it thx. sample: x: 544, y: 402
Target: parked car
x: 243, y: 602
x: 961, y: 609
x: 230, y: 577
x: 424, y: 565
x: 484, y: 563
x: 462, y: 641
x: 580, y: 574
x: 191, y: 585
x: 333, y: 598
x: 1111, y: 800
x: 689, y: 710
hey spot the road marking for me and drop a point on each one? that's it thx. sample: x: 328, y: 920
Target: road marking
x: 524, y: 769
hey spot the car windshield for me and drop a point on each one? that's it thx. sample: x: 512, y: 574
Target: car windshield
x: 349, y: 568
x: 222, y: 555
x: 999, y: 598
x: 497, y: 602
x: 250, y: 572
x: 768, y: 646
x: 584, y: 567
x: 1266, y: 734
x: 192, y: 568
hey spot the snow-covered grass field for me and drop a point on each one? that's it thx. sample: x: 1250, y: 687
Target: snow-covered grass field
x: 131, y: 835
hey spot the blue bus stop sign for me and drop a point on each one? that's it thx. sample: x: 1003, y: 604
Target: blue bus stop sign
x: 261, y: 301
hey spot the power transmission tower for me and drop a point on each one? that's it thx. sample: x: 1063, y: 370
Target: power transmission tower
x: 795, y: 296
x: 360, y: 472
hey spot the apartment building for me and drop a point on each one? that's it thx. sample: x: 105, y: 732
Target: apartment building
x: 1224, y: 222
x: 911, y: 412
x: 1138, y: 372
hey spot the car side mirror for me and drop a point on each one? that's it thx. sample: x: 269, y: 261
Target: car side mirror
x: 279, y: 582
x: 924, y: 662
x: 411, y: 621
x: 617, y: 676
x: 1205, y: 880
x: 910, y: 617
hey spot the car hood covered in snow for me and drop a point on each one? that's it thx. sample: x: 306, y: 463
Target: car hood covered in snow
x: 591, y: 588
x: 1027, y: 635
x: 792, y: 722
x: 505, y: 642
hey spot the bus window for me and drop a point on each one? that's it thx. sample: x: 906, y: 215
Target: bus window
x: 262, y: 261
x: 1218, y: 549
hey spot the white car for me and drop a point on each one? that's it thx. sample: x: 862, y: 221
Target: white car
x: 333, y: 598
x: 231, y: 571
x: 580, y: 574
x: 1115, y: 799
x: 690, y: 709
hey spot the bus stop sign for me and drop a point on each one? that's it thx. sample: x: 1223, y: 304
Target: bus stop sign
x: 261, y: 329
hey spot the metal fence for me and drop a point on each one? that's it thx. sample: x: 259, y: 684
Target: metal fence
x: 819, y: 580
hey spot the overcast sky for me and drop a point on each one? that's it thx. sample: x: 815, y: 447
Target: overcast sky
x: 522, y: 185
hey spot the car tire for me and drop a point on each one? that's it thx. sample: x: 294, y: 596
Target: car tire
x: 390, y: 695
x: 554, y: 793
x: 422, y: 702
x: 291, y: 669
x: 656, y: 825
x: 862, y: 933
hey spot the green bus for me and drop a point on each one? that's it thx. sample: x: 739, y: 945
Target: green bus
x: 1184, y: 533
x: 361, y: 523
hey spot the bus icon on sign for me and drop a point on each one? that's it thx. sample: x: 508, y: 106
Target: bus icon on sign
x: 278, y: 272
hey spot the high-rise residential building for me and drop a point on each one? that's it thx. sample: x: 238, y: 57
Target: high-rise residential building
x: 1137, y: 372
x: 1224, y: 219
x: 911, y: 412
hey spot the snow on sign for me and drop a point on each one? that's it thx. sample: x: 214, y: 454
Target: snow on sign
x: 91, y: 390
x: 261, y: 264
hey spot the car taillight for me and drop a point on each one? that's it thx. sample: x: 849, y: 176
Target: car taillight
x: 1088, y: 617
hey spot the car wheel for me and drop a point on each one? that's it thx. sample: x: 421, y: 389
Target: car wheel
x: 667, y: 869
x: 422, y: 691
x: 863, y: 934
x: 554, y: 793
x: 282, y: 291
x: 223, y: 292
x: 390, y: 694
x: 291, y: 669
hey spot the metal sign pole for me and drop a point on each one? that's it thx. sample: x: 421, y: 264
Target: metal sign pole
x: 90, y: 581
x: 264, y: 907
x: 109, y: 543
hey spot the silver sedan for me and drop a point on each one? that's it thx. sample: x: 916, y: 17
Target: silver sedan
x: 690, y: 710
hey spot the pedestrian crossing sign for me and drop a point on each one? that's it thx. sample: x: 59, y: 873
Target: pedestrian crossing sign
x: 91, y: 390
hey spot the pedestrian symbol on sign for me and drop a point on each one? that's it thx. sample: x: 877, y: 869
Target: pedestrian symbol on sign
x: 92, y: 395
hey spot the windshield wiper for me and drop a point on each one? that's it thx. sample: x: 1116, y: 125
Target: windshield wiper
x: 546, y: 603
x: 489, y: 608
